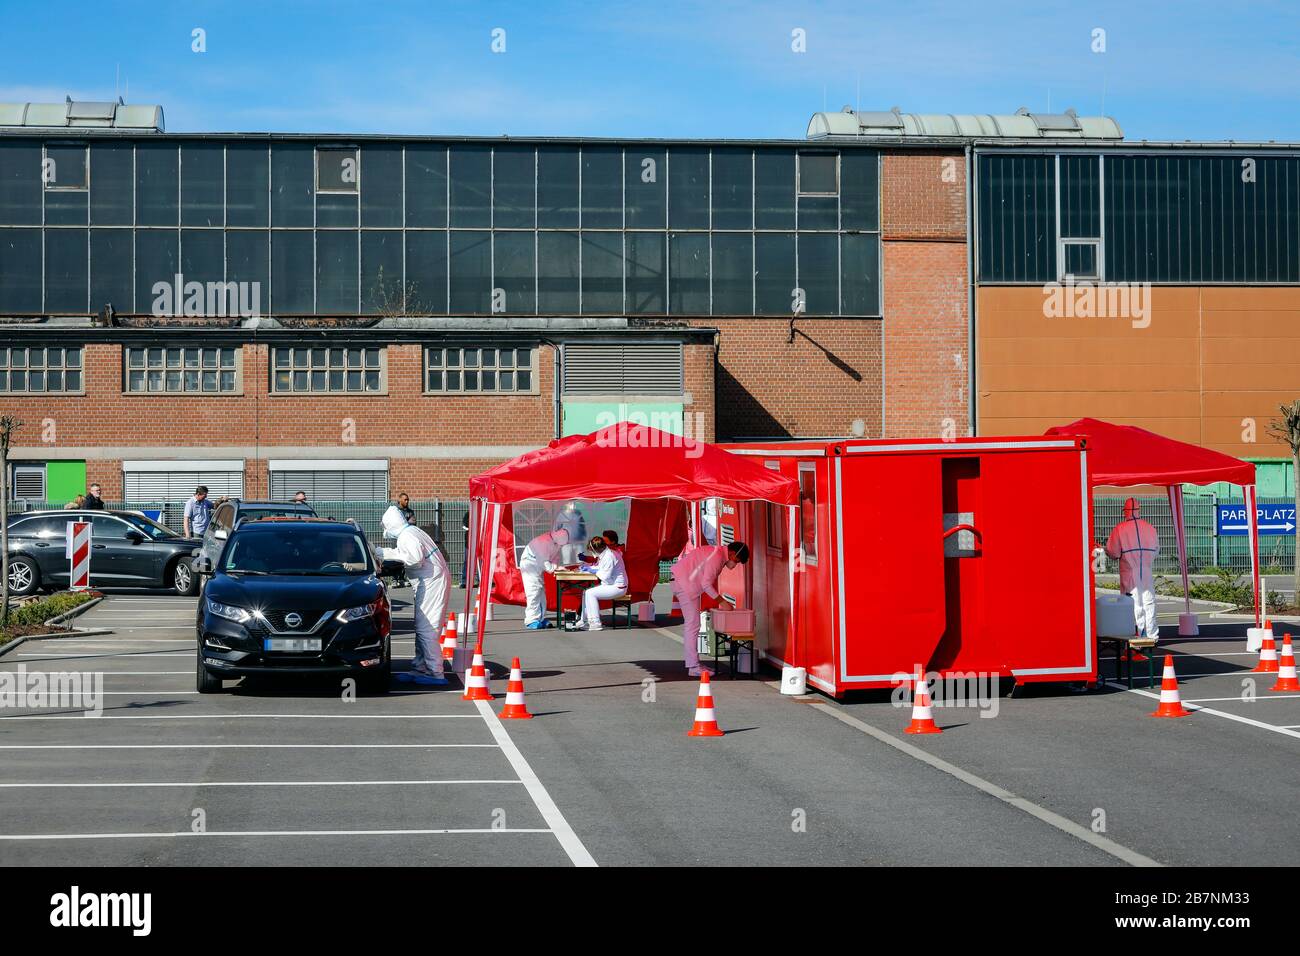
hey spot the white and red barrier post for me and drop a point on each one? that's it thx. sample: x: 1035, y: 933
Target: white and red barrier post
x: 78, y: 538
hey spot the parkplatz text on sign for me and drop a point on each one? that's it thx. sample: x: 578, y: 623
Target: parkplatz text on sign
x: 1273, y: 519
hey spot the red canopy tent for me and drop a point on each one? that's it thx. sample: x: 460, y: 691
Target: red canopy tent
x: 1125, y: 455
x: 624, y: 460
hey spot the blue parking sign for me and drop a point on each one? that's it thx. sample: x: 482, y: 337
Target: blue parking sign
x: 1273, y: 519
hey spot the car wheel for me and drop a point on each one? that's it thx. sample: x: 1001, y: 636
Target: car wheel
x: 377, y: 681
x: 205, y: 681
x: 24, y: 576
x: 184, y: 580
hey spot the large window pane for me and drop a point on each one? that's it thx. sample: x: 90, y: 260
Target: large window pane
x: 112, y: 184
x: 336, y: 273
x: 248, y: 257
x: 20, y: 186
x: 733, y: 273
x: 774, y: 189
x: 426, y: 272
x: 381, y: 194
x: 733, y: 188
x: 338, y: 169
x: 20, y: 268
x: 819, y: 273
x: 64, y: 175
x: 557, y: 187
x: 860, y: 189
x: 513, y: 261
x: 66, y: 207
x: 65, y: 270
x: 471, y: 272
x: 602, y: 273
x: 291, y: 184
x: 557, y: 273
x: 688, y: 188
x: 247, y: 184
x: 647, y: 188
x: 646, y: 285
x: 426, y: 186
x: 860, y: 275
x: 514, y: 197
x: 381, y: 273
x: 774, y: 276
x: 203, y: 255
x: 110, y: 269
x: 202, y: 181
x: 157, y: 185
x: 471, y: 186
x: 156, y: 260
x: 819, y: 174
x: 291, y: 273
x: 689, y: 273
x: 602, y: 187
x: 336, y: 209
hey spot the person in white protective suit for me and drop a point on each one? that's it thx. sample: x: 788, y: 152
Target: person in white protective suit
x: 571, y: 519
x: 1135, y: 544
x: 541, y: 555
x: 426, y: 569
x: 611, y: 571
x: 694, y: 575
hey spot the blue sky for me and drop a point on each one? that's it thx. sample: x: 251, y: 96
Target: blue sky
x: 1189, y: 70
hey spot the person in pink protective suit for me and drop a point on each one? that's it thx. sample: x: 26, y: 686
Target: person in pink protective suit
x: 694, y: 575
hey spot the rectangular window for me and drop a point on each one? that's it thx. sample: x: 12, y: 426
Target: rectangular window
x: 110, y: 270
x: 382, y: 289
x: 774, y: 275
x: 602, y: 273
x: 35, y: 368
x: 859, y: 274
x: 557, y: 187
x: 248, y: 190
x: 336, y: 272
x: 338, y: 169
x: 157, y: 259
x: 20, y: 186
x: 557, y: 267
x: 381, y: 200
x: 688, y: 188
x: 327, y: 369
x: 471, y: 272
x: 292, y: 202
x: 733, y: 189
x: 203, y: 176
x: 65, y: 270
x: 157, y: 185
x: 471, y: 186
x: 646, y: 192
x: 776, y: 519
x: 808, y: 511
x: 66, y: 167
x: 479, y: 369
x: 190, y: 369
x: 426, y: 273
x: 733, y: 273
x: 819, y: 273
x: 647, y: 284
x: 602, y: 187
x: 819, y: 174
x: 773, y: 189
x: 688, y: 267
x: 513, y: 263
x: 426, y: 187
x: 112, y: 184
x: 292, y: 272
x: 514, y: 195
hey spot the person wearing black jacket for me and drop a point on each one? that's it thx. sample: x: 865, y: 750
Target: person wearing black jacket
x: 93, y: 501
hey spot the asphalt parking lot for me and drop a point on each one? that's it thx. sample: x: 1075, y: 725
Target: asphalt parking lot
x: 284, y: 772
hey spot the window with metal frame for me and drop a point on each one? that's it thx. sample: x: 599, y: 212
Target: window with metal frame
x: 327, y: 369
x: 338, y: 169
x: 808, y: 511
x: 477, y: 369
x: 25, y: 369
x: 776, y: 519
x: 634, y: 368
x: 67, y: 167
x: 175, y: 369
x: 819, y: 174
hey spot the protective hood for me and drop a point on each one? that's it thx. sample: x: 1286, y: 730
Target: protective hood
x: 394, y: 521
x: 1132, y: 509
x: 560, y: 536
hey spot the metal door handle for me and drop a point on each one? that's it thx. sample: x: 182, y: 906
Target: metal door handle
x: 99, y: 547
x: 979, y: 538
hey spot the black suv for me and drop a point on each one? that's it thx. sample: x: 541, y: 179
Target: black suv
x: 294, y: 595
x: 127, y: 549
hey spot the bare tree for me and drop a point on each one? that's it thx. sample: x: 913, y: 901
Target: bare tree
x: 8, y: 424
x: 1286, y: 429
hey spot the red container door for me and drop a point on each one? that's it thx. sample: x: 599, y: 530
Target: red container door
x: 890, y: 575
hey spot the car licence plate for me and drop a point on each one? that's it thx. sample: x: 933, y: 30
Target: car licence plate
x: 292, y: 644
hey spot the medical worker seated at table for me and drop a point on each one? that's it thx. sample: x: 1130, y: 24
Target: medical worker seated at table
x: 694, y: 575
x: 541, y: 555
x: 609, y: 567
x: 426, y: 569
x: 1135, y: 544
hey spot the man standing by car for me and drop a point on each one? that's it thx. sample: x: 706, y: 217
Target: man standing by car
x: 426, y: 569
x: 93, y: 501
x: 300, y: 498
x: 198, y: 512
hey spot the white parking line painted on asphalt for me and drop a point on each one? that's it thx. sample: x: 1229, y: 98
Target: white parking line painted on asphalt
x: 1217, y: 700
x: 108, y: 674
x: 105, y: 718
x: 1102, y: 843
x: 194, y: 746
x: 246, y: 783
x: 546, y: 806
x: 161, y: 835
x: 1286, y: 731
x: 82, y: 657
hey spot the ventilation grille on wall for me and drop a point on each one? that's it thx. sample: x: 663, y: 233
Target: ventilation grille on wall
x: 637, y: 368
x: 333, y: 486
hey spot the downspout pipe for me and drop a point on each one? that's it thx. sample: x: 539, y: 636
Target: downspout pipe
x: 971, y: 232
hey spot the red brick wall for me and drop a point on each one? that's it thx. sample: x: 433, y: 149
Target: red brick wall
x: 926, y: 333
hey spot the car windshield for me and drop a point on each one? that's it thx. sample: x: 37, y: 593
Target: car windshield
x: 150, y: 527
x: 299, y: 551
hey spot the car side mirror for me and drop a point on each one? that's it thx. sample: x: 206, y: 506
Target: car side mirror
x: 221, y: 534
x: 135, y: 537
x: 203, y: 564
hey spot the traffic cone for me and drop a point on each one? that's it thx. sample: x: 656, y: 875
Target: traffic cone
x: 449, y: 638
x: 676, y: 610
x: 922, y: 715
x: 515, y: 707
x: 1286, y: 675
x: 1170, y: 704
x: 476, y: 681
x: 706, y: 723
x: 1267, y: 656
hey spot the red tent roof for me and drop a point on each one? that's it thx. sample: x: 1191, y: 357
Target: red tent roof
x: 1128, y: 455
x: 632, y: 461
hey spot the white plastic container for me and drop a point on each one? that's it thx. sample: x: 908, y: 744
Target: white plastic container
x: 1115, y: 615
x: 1188, y: 626
x: 1255, y: 638
x: 733, y: 621
x: 645, y: 612
x: 794, y: 681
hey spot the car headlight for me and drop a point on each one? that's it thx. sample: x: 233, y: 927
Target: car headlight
x: 357, y: 613
x: 229, y: 612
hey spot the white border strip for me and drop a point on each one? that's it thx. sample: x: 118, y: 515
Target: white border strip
x: 1287, y: 731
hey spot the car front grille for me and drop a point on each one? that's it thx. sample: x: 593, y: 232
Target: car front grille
x: 306, y: 620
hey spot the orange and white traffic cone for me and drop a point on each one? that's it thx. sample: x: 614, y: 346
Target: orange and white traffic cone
x: 1286, y: 675
x: 922, y: 714
x: 1267, y: 656
x: 1170, y: 703
x: 515, y: 707
x: 706, y: 723
x: 476, y: 681
x: 449, y: 638
x: 676, y: 610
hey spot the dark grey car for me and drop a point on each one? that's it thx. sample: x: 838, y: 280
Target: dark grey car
x: 127, y: 550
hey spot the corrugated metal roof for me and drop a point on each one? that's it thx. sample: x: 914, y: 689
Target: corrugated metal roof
x: 82, y: 115
x: 1020, y: 125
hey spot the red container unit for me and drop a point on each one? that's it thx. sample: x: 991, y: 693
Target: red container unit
x: 962, y: 556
